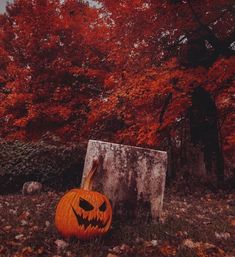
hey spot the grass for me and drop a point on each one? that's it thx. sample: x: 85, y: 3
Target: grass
x: 192, y: 218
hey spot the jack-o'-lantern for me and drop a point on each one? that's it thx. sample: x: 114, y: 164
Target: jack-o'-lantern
x: 83, y: 213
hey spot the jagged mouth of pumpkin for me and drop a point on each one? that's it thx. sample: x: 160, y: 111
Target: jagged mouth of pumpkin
x: 86, y: 222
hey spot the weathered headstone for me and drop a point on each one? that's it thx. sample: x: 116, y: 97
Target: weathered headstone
x: 132, y: 177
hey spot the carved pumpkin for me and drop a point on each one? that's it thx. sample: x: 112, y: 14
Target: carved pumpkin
x: 83, y: 213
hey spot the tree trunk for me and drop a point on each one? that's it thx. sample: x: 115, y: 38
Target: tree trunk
x: 205, y: 132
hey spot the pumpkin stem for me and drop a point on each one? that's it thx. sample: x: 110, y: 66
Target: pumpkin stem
x: 88, y: 180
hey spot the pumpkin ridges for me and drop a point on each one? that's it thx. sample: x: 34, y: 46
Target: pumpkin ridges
x: 63, y: 209
x: 73, y: 203
x: 70, y: 214
x: 69, y: 227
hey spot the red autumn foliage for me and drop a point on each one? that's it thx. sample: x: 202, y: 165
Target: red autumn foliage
x: 128, y: 71
x: 53, y: 66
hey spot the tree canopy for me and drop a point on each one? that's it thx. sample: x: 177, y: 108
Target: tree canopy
x: 126, y: 71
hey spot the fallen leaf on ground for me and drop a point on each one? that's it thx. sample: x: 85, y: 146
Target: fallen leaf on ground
x: 232, y: 222
x: 168, y: 250
x: 204, y: 249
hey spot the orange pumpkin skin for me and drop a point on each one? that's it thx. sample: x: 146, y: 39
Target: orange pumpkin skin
x: 83, y: 213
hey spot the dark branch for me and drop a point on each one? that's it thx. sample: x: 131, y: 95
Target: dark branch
x: 164, y: 107
x: 219, y: 45
x: 188, y: 34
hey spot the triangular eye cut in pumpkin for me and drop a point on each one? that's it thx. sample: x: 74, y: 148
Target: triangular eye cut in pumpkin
x: 85, y: 205
x: 103, y: 207
x: 84, y: 213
